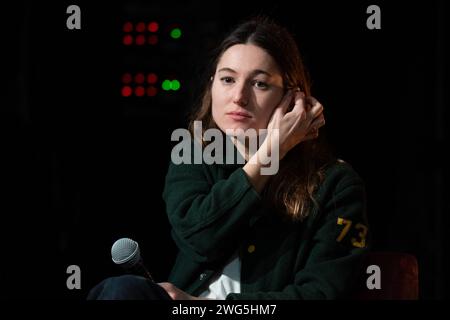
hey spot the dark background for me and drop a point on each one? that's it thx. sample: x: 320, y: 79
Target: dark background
x: 84, y: 166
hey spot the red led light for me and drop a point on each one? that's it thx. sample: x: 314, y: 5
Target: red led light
x: 153, y: 39
x: 152, y: 91
x: 127, y: 27
x: 139, y: 91
x: 153, y: 26
x: 126, y: 91
x: 127, y: 40
x: 152, y: 78
x: 126, y: 78
x: 140, y: 40
x: 139, y: 78
x: 140, y: 27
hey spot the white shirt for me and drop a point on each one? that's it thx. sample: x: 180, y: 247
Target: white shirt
x: 225, y: 282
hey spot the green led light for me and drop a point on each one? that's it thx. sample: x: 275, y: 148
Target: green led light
x: 175, y: 33
x: 175, y: 85
x: 166, y: 85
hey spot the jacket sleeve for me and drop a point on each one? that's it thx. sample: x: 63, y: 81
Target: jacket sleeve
x: 335, y: 249
x: 207, y: 218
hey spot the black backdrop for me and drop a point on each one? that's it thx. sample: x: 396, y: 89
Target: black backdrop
x: 84, y: 166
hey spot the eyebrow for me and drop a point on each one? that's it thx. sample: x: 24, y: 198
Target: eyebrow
x: 254, y: 72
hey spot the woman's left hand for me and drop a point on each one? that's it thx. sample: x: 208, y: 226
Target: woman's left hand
x: 299, y: 124
x: 175, y: 293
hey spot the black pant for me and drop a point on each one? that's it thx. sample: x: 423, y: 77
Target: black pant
x: 127, y: 287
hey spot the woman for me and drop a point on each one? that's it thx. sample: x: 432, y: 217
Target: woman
x: 297, y: 234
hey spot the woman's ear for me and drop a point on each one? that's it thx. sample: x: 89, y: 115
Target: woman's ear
x: 212, y: 78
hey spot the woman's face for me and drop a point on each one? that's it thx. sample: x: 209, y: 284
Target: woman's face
x: 246, y: 88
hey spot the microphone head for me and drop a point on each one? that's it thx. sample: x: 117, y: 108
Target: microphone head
x: 125, y: 252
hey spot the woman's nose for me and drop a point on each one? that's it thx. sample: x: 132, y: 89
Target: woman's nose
x: 241, y: 95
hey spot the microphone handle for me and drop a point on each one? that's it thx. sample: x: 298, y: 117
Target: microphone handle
x: 142, y: 270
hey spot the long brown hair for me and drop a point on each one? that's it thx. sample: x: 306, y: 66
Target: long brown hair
x: 302, y: 169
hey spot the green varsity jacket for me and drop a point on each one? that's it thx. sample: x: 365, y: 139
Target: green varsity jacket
x: 214, y: 212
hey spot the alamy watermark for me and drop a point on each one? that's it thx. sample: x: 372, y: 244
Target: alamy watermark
x: 190, y: 148
x: 73, y: 21
x: 373, y: 22
x: 74, y: 279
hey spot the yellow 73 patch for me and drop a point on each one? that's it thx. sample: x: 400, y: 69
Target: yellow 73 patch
x: 360, y: 241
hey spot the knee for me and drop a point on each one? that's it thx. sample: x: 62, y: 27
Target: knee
x: 121, y: 288
x: 127, y: 282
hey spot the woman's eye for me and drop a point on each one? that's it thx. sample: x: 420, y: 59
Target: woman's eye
x: 260, y: 84
x: 227, y: 80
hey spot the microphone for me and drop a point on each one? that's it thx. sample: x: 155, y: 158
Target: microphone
x: 125, y: 253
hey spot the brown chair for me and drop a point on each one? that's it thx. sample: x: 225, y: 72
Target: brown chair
x: 399, y: 277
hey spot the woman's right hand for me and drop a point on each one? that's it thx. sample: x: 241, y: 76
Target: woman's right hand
x: 302, y: 123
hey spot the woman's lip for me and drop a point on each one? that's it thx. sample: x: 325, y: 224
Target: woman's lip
x: 238, y: 116
x: 242, y: 114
